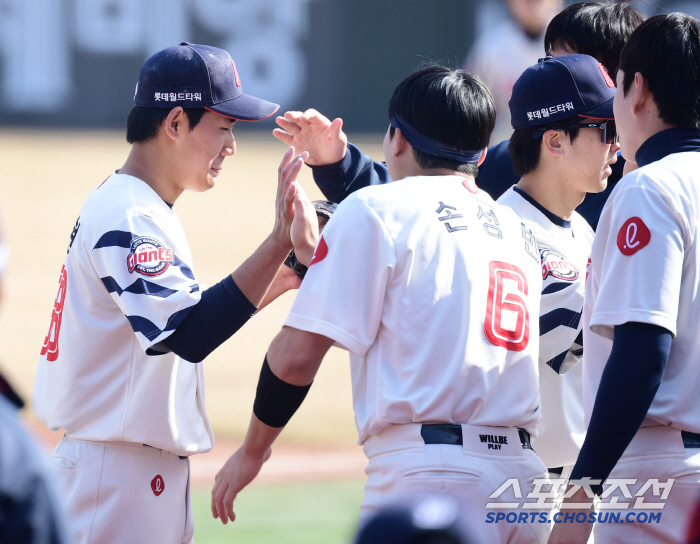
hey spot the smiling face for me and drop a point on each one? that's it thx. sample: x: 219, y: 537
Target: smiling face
x: 202, y: 151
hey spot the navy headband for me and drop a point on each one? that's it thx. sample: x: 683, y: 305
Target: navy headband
x: 432, y: 147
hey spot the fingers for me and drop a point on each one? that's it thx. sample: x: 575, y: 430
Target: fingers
x: 286, y: 159
x: 336, y: 128
x: 291, y: 171
x: 290, y: 126
x: 283, y: 135
x: 217, y: 501
x: 229, y: 497
x: 312, y: 116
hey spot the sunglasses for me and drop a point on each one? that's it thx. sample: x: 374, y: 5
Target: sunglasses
x: 609, y: 135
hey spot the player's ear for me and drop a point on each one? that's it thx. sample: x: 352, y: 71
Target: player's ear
x: 483, y: 156
x: 175, y: 123
x: 399, y: 143
x: 641, y: 93
x: 552, y: 142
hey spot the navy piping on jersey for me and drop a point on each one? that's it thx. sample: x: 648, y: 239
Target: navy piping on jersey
x: 555, y: 287
x: 556, y: 362
x: 558, y: 221
x: 667, y: 142
x: 150, y: 330
x: 120, y: 238
x: 559, y: 317
x: 139, y: 287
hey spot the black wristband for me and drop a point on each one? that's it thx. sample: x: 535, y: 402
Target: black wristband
x: 276, y: 401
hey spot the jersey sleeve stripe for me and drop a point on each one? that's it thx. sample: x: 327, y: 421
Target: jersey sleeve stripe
x: 120, y: 238
x: 556, y: 287
x: 139, y: 287
x: 115, y: 238
x: 186, y: 270
x: 556, y: 363
x: 559, y: 317
x: 150, y: 330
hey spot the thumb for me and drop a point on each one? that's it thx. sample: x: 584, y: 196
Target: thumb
x: 336, y: 129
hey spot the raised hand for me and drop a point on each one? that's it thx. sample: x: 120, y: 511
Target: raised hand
x: 287, y: 188
x: 313, y: 132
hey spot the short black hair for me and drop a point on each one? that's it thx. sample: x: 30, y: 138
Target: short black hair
x: 526, y: 150
x: 453, y: 107
x: 142, y: 124
x: 598, y: 29
x: 666, y: 51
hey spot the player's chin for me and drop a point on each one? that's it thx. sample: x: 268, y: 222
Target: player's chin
x: 207, y: 183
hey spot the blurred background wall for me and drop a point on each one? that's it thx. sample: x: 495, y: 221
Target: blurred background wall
x: 74, y: 63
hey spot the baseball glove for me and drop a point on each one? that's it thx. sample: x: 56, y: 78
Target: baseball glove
x: 324, y: 211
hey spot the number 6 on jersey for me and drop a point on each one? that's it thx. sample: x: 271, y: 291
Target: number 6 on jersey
x: 507, y: 319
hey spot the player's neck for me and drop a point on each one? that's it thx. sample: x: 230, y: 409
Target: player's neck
x: 413, y: 169
x: 153, y: 168
x: 550, y: 192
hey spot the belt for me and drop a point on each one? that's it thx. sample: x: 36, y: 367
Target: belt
x: 690, y: 440
x: 444, y: 433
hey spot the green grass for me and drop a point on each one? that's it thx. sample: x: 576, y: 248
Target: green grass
x: 285, y: 513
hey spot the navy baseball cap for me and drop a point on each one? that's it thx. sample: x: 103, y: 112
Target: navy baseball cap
x: 198, y: 76
x: 434, y: 518
x: 561, y: 87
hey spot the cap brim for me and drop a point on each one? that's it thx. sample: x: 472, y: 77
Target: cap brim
x: 245, y: 108
x: 601, y: 111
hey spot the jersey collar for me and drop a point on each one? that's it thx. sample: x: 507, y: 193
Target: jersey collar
x: 667, y: 142
x: 558, y: 221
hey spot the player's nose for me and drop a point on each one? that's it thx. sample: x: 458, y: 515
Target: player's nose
x: 229, y: 147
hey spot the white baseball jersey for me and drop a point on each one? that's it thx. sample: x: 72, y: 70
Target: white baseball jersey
x: 126, y: 284
x: 645, y: 267
x: 564, y: 250
x: 434, y: 290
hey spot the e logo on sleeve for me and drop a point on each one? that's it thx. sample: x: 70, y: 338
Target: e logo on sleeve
x: 633, y: 236
x: 321, y: 252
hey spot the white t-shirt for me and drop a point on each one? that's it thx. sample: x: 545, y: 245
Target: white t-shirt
x: 435, y: 291
x: 564, y: 250
x: 645, y: 267
x: 126, y: 284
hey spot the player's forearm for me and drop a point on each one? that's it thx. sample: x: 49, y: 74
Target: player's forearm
x: 627, y: 388
x: 258, y: 271
x: 259, y: 438
x: 355, y: 171
x: 222, y: 310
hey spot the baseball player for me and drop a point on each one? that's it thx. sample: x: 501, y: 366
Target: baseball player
x: 437, y: 305
x: 119, y: 369
x: 584, y: 152
x: 563, y: 145
x: 641, y: 309
x: 597, y: 29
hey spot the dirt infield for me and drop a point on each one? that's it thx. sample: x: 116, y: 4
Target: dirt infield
x: 46, y: 176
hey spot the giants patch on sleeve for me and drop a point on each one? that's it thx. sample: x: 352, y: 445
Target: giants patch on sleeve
x: 633, y: 236
x: 148, y: 256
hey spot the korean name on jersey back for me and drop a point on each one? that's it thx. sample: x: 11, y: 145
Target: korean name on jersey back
x: 553, y: 264
x: 148, y: 256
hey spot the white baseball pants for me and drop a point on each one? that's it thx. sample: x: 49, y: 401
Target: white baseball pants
x: 120, y: 492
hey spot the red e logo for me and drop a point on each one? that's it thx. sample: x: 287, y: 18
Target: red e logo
x: 633, y: 236
x: 157, y: 485
x: 320, y: 253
